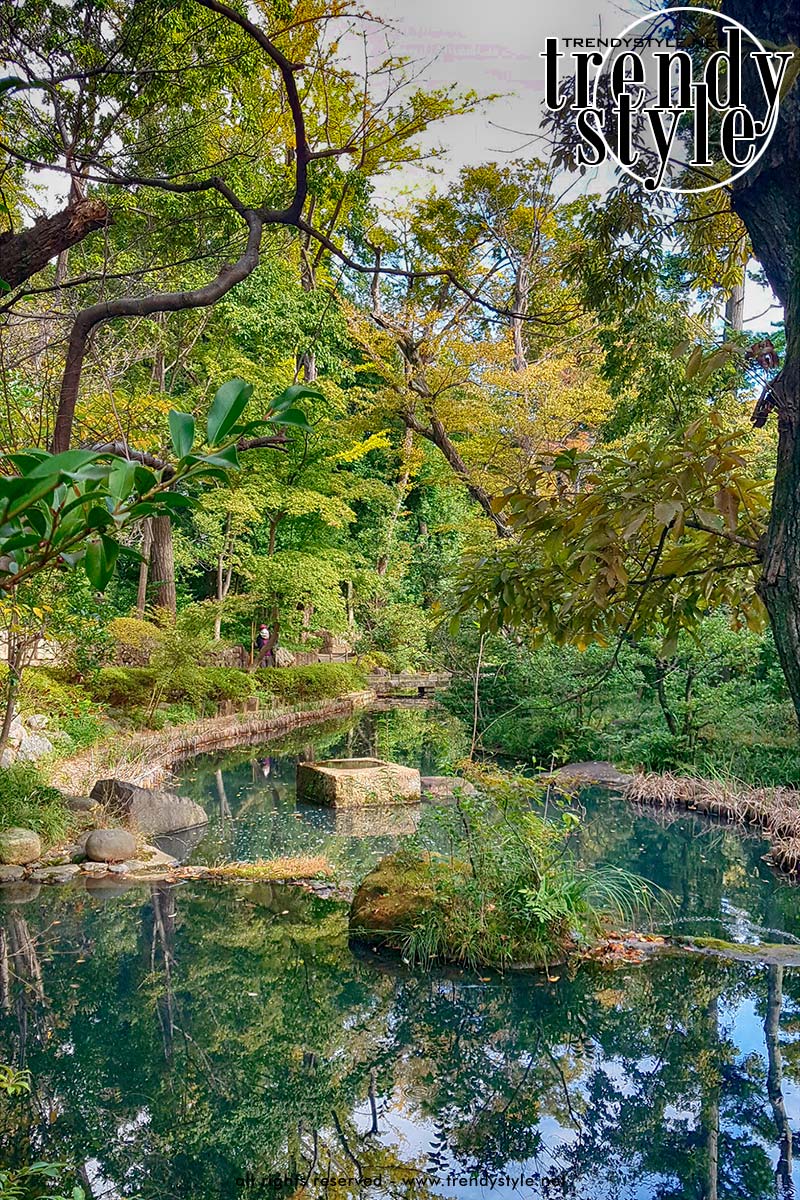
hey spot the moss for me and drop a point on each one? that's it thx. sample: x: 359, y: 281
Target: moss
x: 391, y: 900
x: 303, y: 866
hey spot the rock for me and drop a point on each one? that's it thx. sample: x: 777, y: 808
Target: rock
x: 446, y: 785
x: 19, y: 846
x: 152, y: 859
x: 19, y: 893
x: 36, y: 721
x: 55, y: 874
x: 110, y: 845
x: 389, y: 900
x: 357, y: 782
x: 11, y: 874
x: 16, y: 732
x: 34, y: 746
x: 150, y: 810
x: 94, y: 868
x: 118, y: 868
x: 80, y: 803
x: 589, y: 774
x: 283, y: 658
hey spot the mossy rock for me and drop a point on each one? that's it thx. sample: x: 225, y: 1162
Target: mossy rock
x: 390, y: 900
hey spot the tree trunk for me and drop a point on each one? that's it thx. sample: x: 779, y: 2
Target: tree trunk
x: 734, y: 308
x: 767, y: 199
x: 162, y: 565
x: 23, y: 254
x: 144, y: 567
x: 775, y: 1075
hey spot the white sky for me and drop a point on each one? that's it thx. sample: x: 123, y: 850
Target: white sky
x: 493, y: 46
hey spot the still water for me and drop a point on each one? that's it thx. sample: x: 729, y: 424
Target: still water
x: 224, y: 1041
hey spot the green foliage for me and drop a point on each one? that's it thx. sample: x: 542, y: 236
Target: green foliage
x: 400, y: 632
x: 506, y: 888
x: 321, y: 681
x: 28, y: 801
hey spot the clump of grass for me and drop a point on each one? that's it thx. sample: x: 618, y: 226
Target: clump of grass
x: 27, y: 800
x: 507, y: 889
x: 301, y: 866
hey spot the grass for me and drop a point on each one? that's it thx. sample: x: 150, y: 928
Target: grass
x: 26, y: 800
x: 301, y: 866
x: 776, y: 809
x: 505, y: 889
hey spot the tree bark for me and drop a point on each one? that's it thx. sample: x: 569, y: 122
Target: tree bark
x: 144, y: 567
x: 767, y: 199
x: 162, y: 565
x: 23, y: 254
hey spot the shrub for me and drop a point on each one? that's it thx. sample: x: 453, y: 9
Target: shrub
x: 320, y: 681
x: 123, y: 687
x: 228, y: 683
x: 27, y: 800
x: 134, y: 640
x: 506, y: 889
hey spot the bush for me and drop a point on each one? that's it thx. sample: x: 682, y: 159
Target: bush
x: 27, y: 800
x: 506, y: 889
x: 123, y: 687
x: 320, y: 681
x: 134, y: 640
x: 228, y: 683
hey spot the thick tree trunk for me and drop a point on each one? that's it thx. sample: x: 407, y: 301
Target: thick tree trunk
x: 144, y: 567
x: 767, y: 199
x: 162, y: 565
x: 23, y: 254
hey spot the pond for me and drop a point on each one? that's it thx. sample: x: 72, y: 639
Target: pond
x: 224, y: 1041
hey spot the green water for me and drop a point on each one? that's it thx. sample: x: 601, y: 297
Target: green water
x: 223, y: 1040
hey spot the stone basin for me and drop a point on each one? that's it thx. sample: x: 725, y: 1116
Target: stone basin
x: 357, y: 783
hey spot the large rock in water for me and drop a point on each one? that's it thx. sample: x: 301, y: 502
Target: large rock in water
x: 357, y: 783
x: 150, y: 810
x: 19, y: 846
x: 589, y: 774
x: 110, y: 845
x: 390, y: 900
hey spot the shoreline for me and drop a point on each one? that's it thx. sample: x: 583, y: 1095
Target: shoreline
x: 147, y: 758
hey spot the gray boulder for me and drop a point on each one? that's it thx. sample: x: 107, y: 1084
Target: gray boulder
x: 34, y: 746
x: 11, y: 874
x: 19, y: 846
x: 110, y: 845
x: 80, y: 803
x: 150, y: 810
x: 61, y: 874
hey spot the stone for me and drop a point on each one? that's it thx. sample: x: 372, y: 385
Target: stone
x: 446, y: 785
x: 110, y: 845
x: 118, y: 868
x: 16, y: 732
x: 80, y: 803
x: 11, y: 874
x: 151, y: 811
x: 36, y: 721
x: 61, y: 874
x: 94, y: 868
x: 19, y: 846
x: 152, y: 859
x: 589, y: 774
x: 34, y: 746
x: 283, y: 658
x: 357, y: 782
x: 389, y: 900
x: 19, y: 893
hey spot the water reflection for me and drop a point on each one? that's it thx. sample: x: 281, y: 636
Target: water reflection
x: 186, y: 1038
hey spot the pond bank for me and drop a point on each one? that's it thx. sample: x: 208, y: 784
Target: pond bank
x: 145, y: 759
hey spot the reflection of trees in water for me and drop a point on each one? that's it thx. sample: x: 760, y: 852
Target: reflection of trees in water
x: 215, y: 1031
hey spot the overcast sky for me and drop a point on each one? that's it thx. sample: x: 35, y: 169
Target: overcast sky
x: 493, y: 46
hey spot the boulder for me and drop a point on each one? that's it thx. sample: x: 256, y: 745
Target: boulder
x: 11, y: 874
x: 19, y: 846
x: 151, y: 811
x: 80, y: 803
x: 389, y: 901
x: 110, y: 845
x: 357, y: 782
x: 34, y: 746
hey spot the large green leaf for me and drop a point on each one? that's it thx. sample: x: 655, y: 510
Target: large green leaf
x: 181, y: 428
x: 292, y: 394
x: 227, y: 406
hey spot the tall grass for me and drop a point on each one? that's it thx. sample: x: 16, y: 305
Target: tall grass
x: 505, y: 887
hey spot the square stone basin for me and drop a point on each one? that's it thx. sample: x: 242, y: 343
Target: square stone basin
x: 357, y: 783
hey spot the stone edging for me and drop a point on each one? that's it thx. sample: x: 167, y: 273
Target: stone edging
x: 145, y: 759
